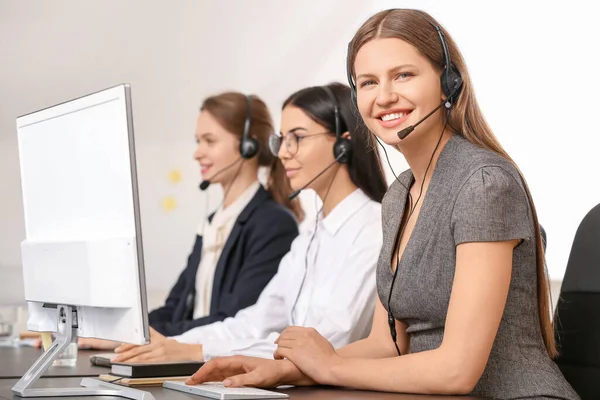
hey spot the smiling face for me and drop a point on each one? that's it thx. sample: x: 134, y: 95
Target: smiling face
x: 217, y: 149
x: 313, y: 153
x: 396, y: 87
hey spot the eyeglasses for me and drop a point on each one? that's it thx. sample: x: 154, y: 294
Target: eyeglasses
x: 291, y: 140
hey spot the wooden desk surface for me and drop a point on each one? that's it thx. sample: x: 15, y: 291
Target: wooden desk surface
x: 161, y: 393
x: 14, y: 362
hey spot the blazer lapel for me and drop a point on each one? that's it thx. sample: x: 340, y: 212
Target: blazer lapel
x: 223, y: 263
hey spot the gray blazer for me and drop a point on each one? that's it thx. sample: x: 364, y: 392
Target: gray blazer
x: 474, y: 195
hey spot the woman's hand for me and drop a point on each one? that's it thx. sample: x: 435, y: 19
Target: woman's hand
x: 309, y: 351
x: 237, y: 371
x: 162, y: 350
x: 97, y: 344
x: 154, y: 337
x: 159, y: 349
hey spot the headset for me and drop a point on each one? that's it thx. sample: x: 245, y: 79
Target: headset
x: 248, y: 145
x: 342, y: 147
x: 451, y: 80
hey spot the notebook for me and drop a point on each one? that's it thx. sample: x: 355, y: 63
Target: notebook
x: 119, y: 380
x: 155, y: 369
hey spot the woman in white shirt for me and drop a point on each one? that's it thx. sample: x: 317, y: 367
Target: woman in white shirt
x: 327, y: 280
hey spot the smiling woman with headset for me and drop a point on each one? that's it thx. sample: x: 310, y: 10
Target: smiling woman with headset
x: 463, y: 302
x: 327, y: 280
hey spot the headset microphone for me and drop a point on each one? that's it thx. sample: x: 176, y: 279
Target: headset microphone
x: 297, y: 192
x: 406, y: 131
x: 206, y: 183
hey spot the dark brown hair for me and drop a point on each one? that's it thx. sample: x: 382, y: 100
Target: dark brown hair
x: 364, y: 165
x: 466, y: 119
x: 229, y: 109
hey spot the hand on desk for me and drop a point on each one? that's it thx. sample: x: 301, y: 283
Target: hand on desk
x: 237, y: 371
x: 159, y: 349
x: 310, y: 352
x: 97, y: 344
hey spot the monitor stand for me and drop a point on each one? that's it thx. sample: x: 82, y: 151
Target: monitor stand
x: 66, y: 333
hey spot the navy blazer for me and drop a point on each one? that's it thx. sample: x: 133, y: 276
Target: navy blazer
x: 261, y: 236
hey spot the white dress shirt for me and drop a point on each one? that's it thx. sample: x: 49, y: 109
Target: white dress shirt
x: 214, y: 237
x: 337, y: 297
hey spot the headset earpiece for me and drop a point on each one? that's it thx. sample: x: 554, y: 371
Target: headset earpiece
x: 342, y: 146
x: 248, y: 148
x: 451, y: 83
x: 248, y: 145
x: 342, y: 150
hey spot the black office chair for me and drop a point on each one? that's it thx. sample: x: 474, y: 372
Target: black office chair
x: 577, y: 316
x: 543, y: 234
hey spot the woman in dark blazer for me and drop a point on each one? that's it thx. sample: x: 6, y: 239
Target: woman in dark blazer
x: 248, y: 234
x: 261, y: 236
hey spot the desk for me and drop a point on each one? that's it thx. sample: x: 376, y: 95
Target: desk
x: 161, y: 393
x: 14, y: 362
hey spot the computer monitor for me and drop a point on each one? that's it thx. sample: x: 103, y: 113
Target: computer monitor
x: 83, y: 264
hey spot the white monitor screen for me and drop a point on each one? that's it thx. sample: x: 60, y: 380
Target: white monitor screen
x: 83, y: 244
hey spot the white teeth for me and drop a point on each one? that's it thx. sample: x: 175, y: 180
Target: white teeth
x: 389, y: 117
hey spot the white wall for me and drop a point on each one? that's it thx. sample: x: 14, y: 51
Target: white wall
x: 174, y: 55
x: 533, y: 65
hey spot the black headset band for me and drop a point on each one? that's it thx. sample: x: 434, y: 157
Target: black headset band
x: 349, y: 69
x: 336, y: 111
x: 445, y: 51
x: 246, y: 133
x: 248, y: 145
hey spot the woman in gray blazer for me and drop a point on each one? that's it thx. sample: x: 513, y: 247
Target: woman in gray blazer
x: 463, y: 294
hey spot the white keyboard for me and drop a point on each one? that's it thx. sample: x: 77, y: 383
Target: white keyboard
x: 216, y: 390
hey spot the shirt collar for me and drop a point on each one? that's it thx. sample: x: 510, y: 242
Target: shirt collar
x: 235, y: 208
x: 344, y: 210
